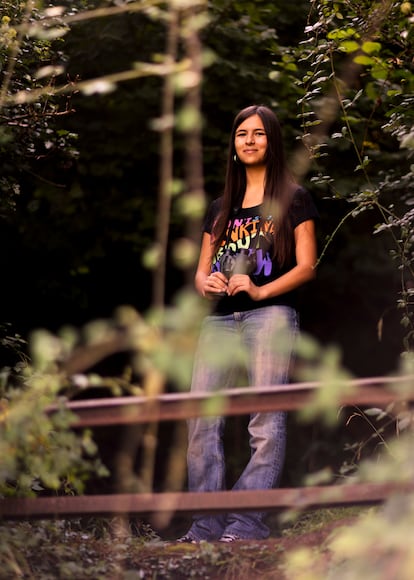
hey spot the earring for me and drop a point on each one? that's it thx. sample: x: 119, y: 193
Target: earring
x: 235, y: 158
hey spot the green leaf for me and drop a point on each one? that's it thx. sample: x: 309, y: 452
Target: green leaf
x: 364, y: 60
x: 365, y: 162
x: 349, y: 46
x: 371, y: 47
x: 379, y: 72
x: 341, y: 34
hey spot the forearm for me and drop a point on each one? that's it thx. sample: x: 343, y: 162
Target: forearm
x: 199, y: 282
x: 293, y: 279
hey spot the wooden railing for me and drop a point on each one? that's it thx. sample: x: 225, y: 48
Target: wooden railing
x: 378, y: 391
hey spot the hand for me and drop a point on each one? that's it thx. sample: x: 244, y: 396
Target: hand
x: 215, y: 283
x: 243, y: 283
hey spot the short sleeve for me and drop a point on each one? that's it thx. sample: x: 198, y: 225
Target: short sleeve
x: 303, y: 207
x: 211, y: 215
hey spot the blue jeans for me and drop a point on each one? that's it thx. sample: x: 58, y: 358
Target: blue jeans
x: 261, y: 340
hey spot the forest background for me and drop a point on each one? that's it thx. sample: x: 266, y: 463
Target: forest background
x: 80, y: 172
x: 114, y: 125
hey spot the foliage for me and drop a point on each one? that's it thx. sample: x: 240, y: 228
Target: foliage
x: 39, y: 449
x: 356, y: 82
x: 376, y: 546
x: 350, y: 73
x: 97, y: 549
x: 29, y: 139
x: 41, y: 452
x: 96, y: 230
x: 66, y: 549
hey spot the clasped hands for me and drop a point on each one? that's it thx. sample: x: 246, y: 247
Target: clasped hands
x: 217, y: 284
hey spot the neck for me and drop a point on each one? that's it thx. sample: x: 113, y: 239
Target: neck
x: 255, y: 181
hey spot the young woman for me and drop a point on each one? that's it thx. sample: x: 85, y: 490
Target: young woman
x: 258, y: 247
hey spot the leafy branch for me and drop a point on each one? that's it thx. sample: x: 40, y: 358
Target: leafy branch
x: 354, y: 54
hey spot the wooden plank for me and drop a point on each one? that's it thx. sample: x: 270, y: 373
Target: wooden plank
x: 239, y: 401
x: 190, y: 502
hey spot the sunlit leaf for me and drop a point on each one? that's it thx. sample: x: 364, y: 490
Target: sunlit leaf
x: 371, y: 47
x: 364, y: 60
x: 349, y: 46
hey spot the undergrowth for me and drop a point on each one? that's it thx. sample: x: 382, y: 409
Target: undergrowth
x: 100, y: 548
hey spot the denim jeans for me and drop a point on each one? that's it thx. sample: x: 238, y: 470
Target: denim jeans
x: 261, y: 340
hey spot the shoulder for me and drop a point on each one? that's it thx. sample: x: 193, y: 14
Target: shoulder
x: 302, y: 207
x: 212, y: 212
x: 301, y: 196
x: 215, y: 205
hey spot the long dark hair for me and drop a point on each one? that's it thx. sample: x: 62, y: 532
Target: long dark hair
x: 279, y: 186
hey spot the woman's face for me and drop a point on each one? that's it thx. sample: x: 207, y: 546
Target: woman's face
x: 250, y: 141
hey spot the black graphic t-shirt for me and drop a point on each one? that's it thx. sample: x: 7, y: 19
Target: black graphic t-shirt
x: 248, y: 248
